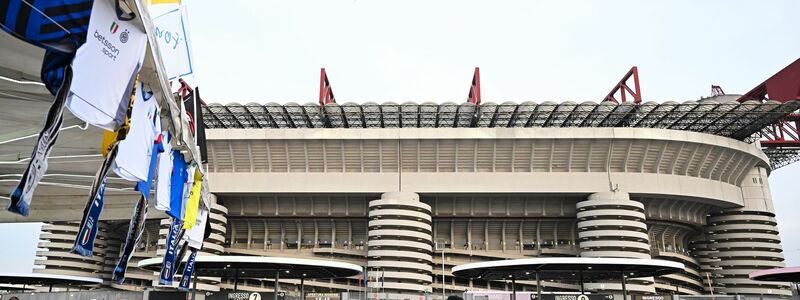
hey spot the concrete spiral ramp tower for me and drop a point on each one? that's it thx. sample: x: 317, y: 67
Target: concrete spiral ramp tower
x: 610, y: 224
x: 745, y: 242
x: 399, y: 248
x: 56, y: 241
x: 745, y: 239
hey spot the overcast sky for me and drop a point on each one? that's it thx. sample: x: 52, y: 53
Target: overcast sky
x: 263, y: 51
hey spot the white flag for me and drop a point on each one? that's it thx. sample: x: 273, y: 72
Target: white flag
x: 105, y: 67
x: 164, y: 173
x: 172, y: 35
x: 194, y: 236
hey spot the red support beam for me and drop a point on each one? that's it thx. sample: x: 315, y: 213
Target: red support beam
x: 475, y: 89
x: 625, y: 90
x: 783, y: 86
x: 783, y: 133
x: 325, y: 90
x: 717, y: 91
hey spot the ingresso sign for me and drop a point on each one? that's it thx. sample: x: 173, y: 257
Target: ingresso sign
x: 245, y: 296
x: 573, y: 297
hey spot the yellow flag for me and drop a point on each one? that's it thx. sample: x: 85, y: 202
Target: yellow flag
x: 152, y: 2
x: 193, y: 204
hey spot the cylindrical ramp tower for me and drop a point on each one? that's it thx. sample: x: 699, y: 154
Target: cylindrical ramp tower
x: 745, y: 242
x: 610, y: 224
x: 746, y: 239
x: 400, y: 247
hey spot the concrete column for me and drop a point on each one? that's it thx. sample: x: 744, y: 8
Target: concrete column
x: 745, y: 240
x: 400, y: 244
x: 610, y: 224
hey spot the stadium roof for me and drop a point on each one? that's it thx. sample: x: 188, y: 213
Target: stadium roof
x: 264, y: 267
x: 728, y: 118
x: 565, y: 268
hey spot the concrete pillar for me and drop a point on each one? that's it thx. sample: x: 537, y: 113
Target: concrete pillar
x: 400, y: 244
x: 610, y: 224
x: 745, y: 239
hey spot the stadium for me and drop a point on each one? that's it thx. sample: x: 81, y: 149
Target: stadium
x: 341, y: 200
x: 410, y: 190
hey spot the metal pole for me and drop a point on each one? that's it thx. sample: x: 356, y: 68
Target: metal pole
x: 366, y: 280
x: 51, y: 288
x: 513, y: 288
x: 444, y: 291
x: 538, y: 286
x: 624, y: 290
x: 581, y: 279
x: 302, y: 287
x: 277, y: 278
x: 194, y: 285
x: 235, y: 280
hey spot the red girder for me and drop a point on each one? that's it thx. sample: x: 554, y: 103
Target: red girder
x: 624, y: 89
x: 475, y: 89
x: 783, y: 86
x: 325, y: 90
x: 717, y: 91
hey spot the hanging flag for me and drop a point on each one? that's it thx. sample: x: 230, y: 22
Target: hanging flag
x: 22, y: 195
x: 195, y: 235
x: 35, y: 22
x: 145, y: 186
x: 172, y: 36
x: 107, y: 63
x: 177, y: 182
x: 135, y: 158
x: 186, y: 276
x: 155, y: 2
x: 135, y: 229
x: 193, y: 203
x: 168, y: 267
x: 194, y: 108
x: 84, y: 241
x: 164, y: 173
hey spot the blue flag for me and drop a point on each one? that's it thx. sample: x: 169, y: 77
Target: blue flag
x: 186, y: 277
x: 144, y: 186
x: 84, y: 242
x: 58, y: 26
x: 135, y: 229
x: 177, y: 182
x: 168, y: 266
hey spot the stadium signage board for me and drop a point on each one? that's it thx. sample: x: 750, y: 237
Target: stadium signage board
x: 573, y: 297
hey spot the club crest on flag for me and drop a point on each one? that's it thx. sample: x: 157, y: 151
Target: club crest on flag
x: 168, y: 269
x: 87, y: 232
x: 123, y: 37
x: 114, y: 27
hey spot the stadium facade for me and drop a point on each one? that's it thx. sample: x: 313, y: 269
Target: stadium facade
x: 409, y: 191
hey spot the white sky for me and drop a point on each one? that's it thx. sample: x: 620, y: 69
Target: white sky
x: 263, y: 51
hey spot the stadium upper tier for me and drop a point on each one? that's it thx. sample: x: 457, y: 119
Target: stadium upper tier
x: 729, y: 119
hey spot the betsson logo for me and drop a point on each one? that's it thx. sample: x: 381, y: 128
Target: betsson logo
x: 109, y: 48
